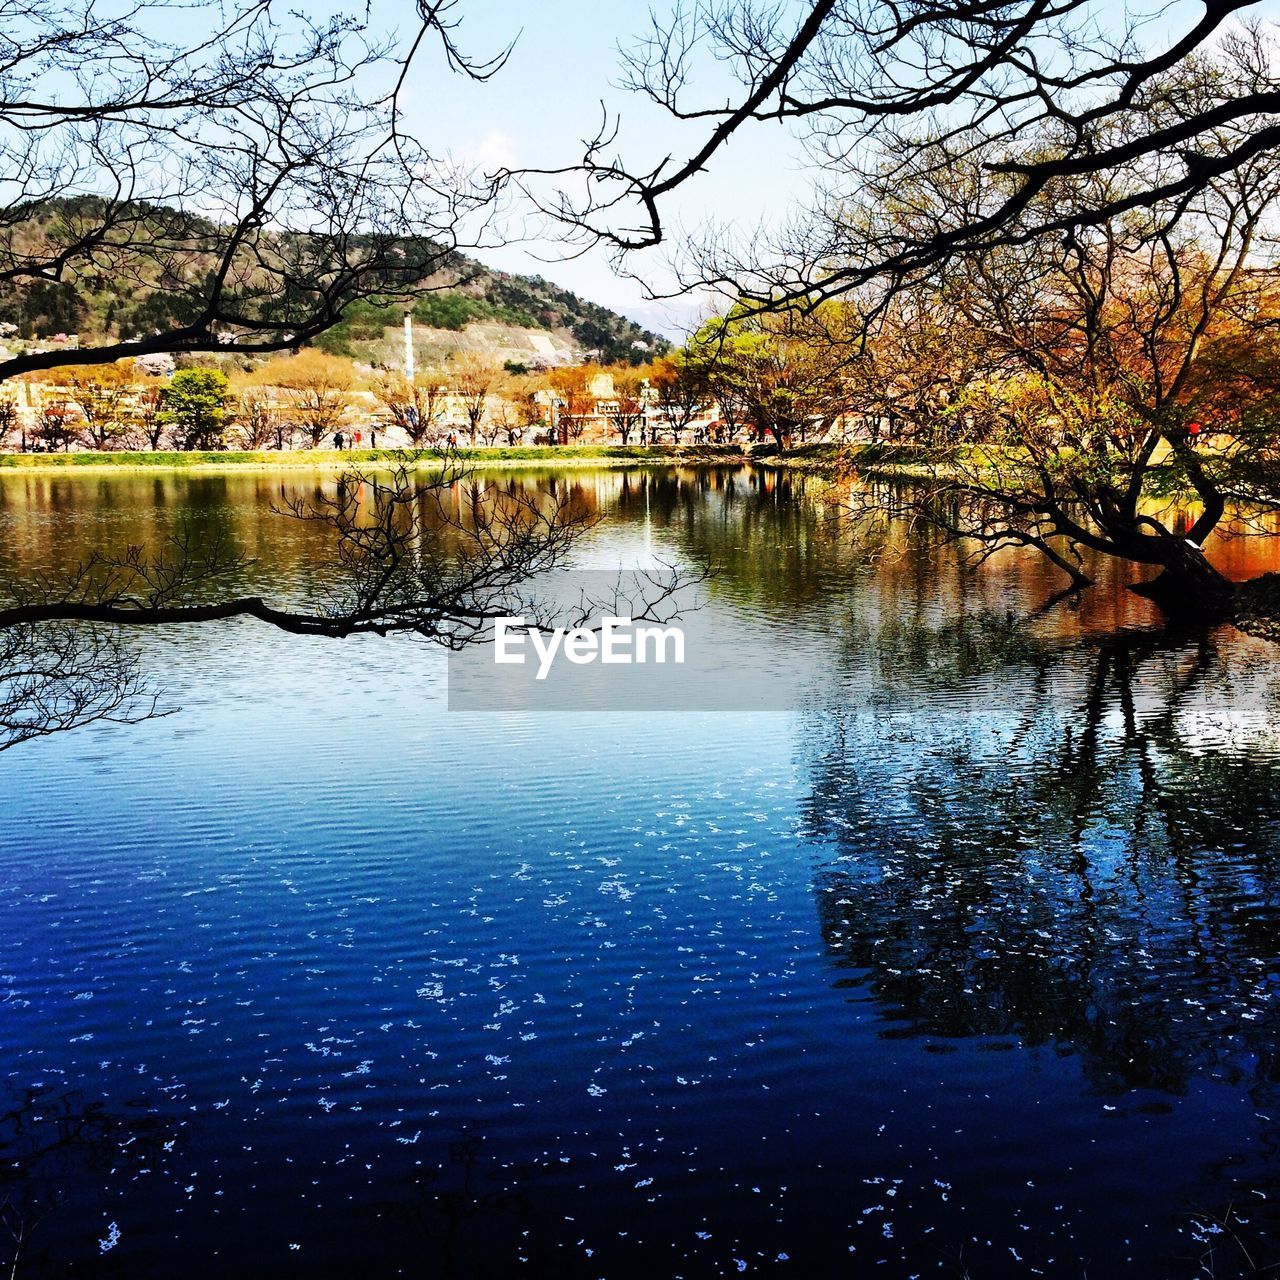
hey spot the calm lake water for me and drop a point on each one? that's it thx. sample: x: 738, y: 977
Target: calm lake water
x: 968, y: 967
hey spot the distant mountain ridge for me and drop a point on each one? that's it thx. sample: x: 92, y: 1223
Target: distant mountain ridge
x: 464, y: 305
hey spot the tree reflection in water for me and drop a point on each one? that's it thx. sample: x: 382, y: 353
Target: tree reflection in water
x: 65, y: 1160
x: 1074, y: 848
x: 63, y: 676
x: 1064, y: 848
x: 472, y: 1214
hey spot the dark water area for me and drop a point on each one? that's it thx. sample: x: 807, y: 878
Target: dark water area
x: 967, y: 967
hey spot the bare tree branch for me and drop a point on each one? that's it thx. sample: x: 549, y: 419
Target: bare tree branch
x: 251, y: 181
x: 884, y: 96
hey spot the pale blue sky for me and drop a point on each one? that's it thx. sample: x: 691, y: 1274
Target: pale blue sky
x: 548, y: 98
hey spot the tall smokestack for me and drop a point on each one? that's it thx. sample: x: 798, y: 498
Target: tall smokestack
x: 408, y: 348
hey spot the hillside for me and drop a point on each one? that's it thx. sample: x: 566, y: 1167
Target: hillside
x: 464, y: 306
x: 521, y: 319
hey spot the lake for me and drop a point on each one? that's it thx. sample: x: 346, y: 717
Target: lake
x: 964, y: 965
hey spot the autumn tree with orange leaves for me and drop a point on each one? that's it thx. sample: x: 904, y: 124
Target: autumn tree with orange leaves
x: 1064, y: 391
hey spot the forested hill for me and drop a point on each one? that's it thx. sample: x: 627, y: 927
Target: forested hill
x: 466, y: 302
x: 496, y: 298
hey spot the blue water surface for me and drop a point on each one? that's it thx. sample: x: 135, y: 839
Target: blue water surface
x: 967, y: 968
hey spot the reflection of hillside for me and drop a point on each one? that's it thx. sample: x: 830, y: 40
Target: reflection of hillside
x: 769, y: 541
x: 49, y: 523
x: 778, y: 540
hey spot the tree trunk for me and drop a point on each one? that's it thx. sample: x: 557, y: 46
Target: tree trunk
x: 1189, y: 586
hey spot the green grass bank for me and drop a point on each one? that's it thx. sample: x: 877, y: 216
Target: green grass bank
x: 880, y: 459
x: 523, y: 455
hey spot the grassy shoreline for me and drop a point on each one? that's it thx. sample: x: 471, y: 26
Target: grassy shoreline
x: 882, y: 460
x: 311, y: 459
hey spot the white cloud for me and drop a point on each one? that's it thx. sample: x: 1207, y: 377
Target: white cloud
x: 493, y: 151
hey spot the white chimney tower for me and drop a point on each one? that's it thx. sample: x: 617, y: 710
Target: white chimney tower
x: 408, y: 348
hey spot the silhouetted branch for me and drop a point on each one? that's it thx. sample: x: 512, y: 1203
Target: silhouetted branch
x: 60, y: 676
x: 1034, y: 94
x: 424, y: 546
x: 254, y: 176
